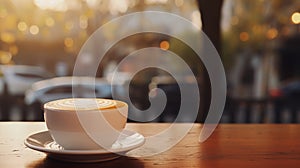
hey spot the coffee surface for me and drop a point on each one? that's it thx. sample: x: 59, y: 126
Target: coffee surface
x: 80, y: 104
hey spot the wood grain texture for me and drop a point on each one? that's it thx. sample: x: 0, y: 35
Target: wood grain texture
x: 231, y: 145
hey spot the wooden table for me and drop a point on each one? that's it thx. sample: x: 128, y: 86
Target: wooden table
x: 231, y: 145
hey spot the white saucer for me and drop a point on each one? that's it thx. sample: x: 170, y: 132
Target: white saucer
x: 43, y: 142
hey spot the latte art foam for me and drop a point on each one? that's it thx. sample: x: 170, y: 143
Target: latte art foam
x: 81, y: 104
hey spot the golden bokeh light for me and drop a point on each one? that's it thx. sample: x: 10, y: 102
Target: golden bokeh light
x: 295, y: 18
x: 5, y: 57
x: 7, y: 37
x: 244, y: 36
x: 34, y: 29
x: 83, y: 22
x: 22, y: 26
x: 68, y: 42
x: 272, y: 33
x: 49, y: 21
x: 165, y: 45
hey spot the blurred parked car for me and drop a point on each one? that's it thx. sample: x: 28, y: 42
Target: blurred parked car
x: 66, y: 87
x: 19, y: 78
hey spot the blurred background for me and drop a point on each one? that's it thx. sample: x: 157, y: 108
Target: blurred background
x: 258, y: 42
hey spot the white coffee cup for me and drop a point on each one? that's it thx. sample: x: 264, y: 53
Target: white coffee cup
x: 85, y: 123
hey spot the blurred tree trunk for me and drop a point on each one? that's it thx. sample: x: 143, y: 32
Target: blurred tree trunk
x: 211, y: 20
